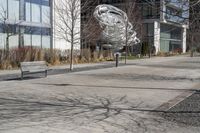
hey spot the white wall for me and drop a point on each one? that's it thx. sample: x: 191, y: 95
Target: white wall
x: 184, y: 39
x: 157, y: 36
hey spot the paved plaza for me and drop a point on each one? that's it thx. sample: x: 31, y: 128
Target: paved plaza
x: 144, y: 96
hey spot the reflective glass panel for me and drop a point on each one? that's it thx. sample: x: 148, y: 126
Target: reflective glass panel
x: 3, y: 8
x: 36, y: 15
x: 28, y: 10
x: 13, y: 10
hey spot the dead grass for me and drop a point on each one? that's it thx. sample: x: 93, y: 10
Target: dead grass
x: 52, y: 57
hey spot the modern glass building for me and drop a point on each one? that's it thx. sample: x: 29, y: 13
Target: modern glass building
x: 25, y: 23
x: 164, y: 22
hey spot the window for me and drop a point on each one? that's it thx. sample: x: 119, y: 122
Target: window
x: 45, y: 12
x: 1, y: 28
x: 149, y: 29
x: 2, y: 40
x: 151, y: 11
x: 28, y: 10
x: 36, y: 36
x: 2, y: 37
x: 13, y: 10
x: 3, y: 8
x: 27, y: 40
x: 45, y: 38
x: 45, y: 41
x: 170, y: 38
x: 36, y: 10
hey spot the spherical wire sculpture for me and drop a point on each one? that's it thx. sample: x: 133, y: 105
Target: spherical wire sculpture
x: 116, y: 26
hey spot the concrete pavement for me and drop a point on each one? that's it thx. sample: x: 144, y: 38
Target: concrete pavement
x: 127, y: 99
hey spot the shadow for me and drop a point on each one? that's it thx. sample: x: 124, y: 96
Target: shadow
x: 74, y: 109
x: 117, y: 112
x: 24, y: 78
x: 120, y: 87
x: 142, y: 77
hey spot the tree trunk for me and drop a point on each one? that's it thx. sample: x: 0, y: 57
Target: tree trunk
x: 7, y: 47
x: 192, y: 48
x: 149, y: 50
x: 71, y: 57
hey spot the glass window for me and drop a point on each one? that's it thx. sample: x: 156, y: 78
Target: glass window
x: 13, y: 8
x: 145, y: 11
x: 164, y: 45
x: 45, y: 41
x: 45, y: 14
x: 36, y: 12
x: 149, y: 29
x: 3, y: 8
x: 45, y: 2
x: 2, y: 40
x: 170, y: 32
x: 28, y: 10
x: 175, y: 45
x: 13, y: 41
x: 36, y: 36
x: 1, y: 28
x: 27, y: 39
x: 46, y: 38
x: 36, y: 40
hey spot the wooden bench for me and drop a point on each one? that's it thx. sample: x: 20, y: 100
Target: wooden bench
x: 33, y: 68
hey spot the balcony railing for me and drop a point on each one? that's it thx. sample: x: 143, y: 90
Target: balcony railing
x: 176, y: 19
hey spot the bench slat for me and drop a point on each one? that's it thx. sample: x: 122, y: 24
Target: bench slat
x: 33, y: 67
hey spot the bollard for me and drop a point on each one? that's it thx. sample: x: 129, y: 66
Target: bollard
x: 117, y: 60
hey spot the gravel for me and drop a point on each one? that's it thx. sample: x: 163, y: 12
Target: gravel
x: 186, y: 112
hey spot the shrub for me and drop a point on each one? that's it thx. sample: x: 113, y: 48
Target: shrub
x: 177, y: 51
x: 52, y: 57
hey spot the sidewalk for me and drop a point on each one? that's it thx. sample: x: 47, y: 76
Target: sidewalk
x: 59, y: 69
x: 126, y: 99
x: 65, y: 66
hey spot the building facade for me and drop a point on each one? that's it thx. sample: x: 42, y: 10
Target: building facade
x: 164, y: 22
x: 25, y: 23
x: 33, y: 23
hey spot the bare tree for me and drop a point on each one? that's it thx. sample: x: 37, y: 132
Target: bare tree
x: 67, y: 23
x: 90, y: 30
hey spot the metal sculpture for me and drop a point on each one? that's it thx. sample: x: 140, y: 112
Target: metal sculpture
x: 116, y: 27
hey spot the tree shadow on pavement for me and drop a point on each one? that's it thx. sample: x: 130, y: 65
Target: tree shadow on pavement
x: 112, y: 114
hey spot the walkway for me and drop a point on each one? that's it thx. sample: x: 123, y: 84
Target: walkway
x: 148, y: 95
